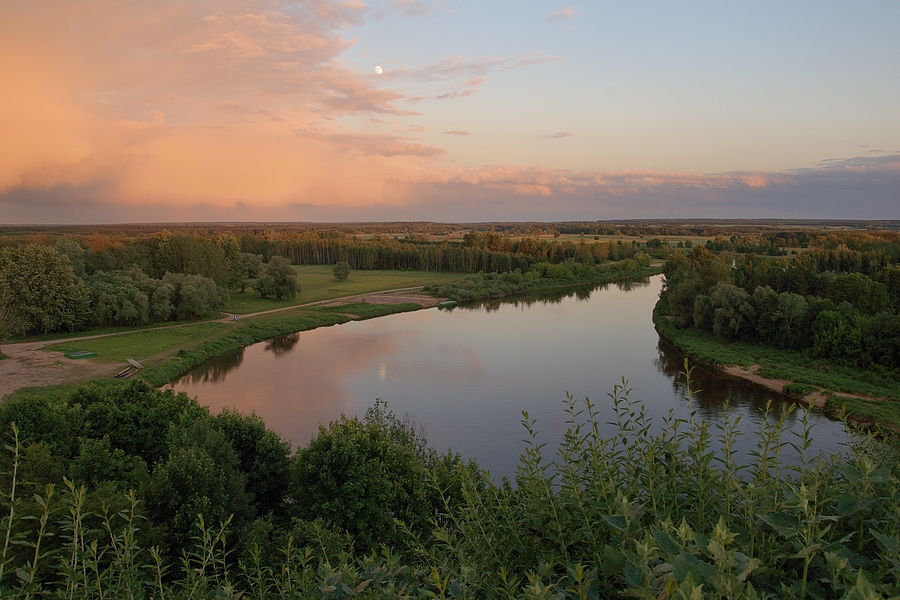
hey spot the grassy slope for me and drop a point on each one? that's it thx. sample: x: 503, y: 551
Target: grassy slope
x: 807, y: 374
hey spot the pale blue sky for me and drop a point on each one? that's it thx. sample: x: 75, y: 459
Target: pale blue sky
x: 705, y: 87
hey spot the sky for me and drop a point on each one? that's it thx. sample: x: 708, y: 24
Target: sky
x: 121, y: 111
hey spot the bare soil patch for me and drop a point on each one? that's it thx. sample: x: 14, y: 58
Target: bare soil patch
x: 27, y: 365
x: 776, y: 385
x: 817, y: 398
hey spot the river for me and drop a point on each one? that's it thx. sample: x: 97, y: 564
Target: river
x: 465, y: 375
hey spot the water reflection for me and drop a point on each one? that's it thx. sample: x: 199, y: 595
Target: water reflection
x: 283, y: 344
x: 214, y: 370
x: 627, y: 285
x: 712, y: 390
x: 581, y: 293
x: 467, y: 374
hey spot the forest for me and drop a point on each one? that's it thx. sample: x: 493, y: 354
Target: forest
x: 837, y: 303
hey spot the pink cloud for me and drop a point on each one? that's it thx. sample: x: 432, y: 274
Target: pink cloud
x: 457, y: 132
x: 562, y: 15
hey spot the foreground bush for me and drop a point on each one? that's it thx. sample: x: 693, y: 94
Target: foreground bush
x: 668, y: 515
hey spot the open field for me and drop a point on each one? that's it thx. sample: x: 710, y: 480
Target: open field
x: 145, y: 344
x: 318, y: 283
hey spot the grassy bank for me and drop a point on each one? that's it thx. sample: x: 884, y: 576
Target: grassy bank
x: 880, y: 401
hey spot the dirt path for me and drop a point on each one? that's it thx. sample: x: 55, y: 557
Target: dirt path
x: 28, y: 364
x: 817, y: 398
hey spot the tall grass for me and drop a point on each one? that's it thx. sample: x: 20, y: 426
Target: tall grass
x: 672, y: 514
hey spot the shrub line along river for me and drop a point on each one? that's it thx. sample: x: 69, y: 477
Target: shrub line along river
x: 466, y: 374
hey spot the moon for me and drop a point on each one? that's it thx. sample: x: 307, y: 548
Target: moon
x: 379, y: 70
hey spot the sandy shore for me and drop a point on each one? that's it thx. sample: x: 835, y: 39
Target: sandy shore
x: 816, y: 398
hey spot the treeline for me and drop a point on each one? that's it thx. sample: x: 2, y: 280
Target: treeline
x: 840, y: 304
x: 780, y: 242
x: 133, y: 492
x: 488, y: 251
x: 629, y: 227
x: 217, y: 254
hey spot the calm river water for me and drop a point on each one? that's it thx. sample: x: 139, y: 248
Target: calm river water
x: 466, y: 374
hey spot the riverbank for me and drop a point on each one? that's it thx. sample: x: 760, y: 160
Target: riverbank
x: 166, y: 352
x: 33, y: 369
x: 868, y: 399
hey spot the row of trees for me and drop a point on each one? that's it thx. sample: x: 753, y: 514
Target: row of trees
x: 848, y: 317
x: 488, y: 251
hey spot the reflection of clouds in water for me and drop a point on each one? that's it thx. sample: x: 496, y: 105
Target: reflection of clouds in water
x: 448, y: 365
x: 293, y: 384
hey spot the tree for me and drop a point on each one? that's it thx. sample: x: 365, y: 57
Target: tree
x: 261, y: 454
x: 279, y: 280
x: 117, y: 300
x: 361, y: 476
x: 201, y: 476
x: 7, y: 313
x: 43, y: 290
x: 341, y: 271
x: 233, y: 260
x: 195, y: 295
x: 252, y: 267
x: 74, y: 252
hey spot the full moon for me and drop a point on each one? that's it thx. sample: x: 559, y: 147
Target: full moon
x: 378, y: 70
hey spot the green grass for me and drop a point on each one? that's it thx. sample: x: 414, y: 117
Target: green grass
x: 144, y: 344
x: 885, y: 413
x: 318, y: 283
